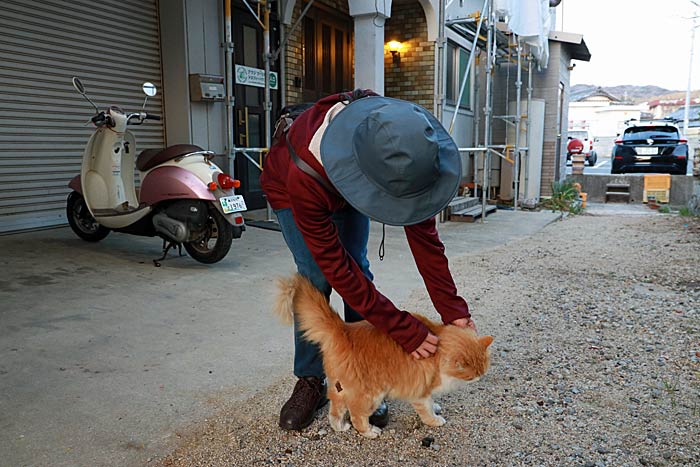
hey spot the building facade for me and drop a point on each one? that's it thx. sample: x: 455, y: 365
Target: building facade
x: 316, y: 48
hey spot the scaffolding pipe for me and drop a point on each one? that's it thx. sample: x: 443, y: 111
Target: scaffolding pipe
x: 516, y: 166
x: 283, y: 45
x: 268, y: 100
x: 527, y: 121
x: 488, y: 111
x: 228, y: 53
x: 477, y: 122
x: 439, y: 82
x: 469, y: 64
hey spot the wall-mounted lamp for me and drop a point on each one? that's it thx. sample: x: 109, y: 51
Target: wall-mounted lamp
x: 395, y: 49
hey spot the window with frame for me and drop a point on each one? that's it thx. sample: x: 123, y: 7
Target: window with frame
x: 455, y: 67
x: 326, y: 50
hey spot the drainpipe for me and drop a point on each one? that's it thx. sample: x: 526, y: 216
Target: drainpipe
x: 283, y: 69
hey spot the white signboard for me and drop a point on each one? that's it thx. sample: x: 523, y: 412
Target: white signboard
x: 254, y: 77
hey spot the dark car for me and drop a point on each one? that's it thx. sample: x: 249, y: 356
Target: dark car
x: 650, y: 147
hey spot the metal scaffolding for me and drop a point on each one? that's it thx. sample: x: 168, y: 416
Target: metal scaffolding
x: 481, y: 27
x: 500, y: 48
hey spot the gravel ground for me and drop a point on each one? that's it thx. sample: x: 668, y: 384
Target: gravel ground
x: 595, y: 363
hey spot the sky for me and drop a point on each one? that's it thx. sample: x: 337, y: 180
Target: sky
x: 636, y: 42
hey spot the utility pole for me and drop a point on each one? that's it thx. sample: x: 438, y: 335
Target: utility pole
x: 690, y: 71
x: 686, y: 112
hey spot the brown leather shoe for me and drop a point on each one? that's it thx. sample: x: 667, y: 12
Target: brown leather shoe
x: 299, y: 411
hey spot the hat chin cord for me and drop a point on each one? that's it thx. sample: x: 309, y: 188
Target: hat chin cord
x: 381, y: 244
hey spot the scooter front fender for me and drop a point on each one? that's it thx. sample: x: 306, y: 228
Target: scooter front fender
x: 168, y: 183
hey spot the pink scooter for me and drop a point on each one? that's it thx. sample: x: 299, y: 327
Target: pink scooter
x: 184, y: 197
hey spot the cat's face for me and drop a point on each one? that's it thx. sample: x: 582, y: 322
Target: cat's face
x: 465, y: 357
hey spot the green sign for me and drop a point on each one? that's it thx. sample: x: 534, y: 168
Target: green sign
x: 254, y: 77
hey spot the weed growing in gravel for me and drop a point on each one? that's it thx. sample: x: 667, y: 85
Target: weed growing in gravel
x: 565, y: 198
x: 671, y: 389
x: 685, y: 212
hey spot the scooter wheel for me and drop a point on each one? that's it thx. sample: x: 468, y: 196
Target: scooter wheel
x: 215, y: 241
x: 81, y: 221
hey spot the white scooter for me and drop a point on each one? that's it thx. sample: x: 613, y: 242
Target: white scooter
x: 184, y: 197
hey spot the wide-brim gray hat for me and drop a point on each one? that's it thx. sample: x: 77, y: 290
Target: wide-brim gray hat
x: 391, y: 160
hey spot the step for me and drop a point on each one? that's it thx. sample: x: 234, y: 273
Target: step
x: 460, y: 203
x: 617, y: 193
x: 471, y: 214
x: 618, y: 185
x: 620, y: 194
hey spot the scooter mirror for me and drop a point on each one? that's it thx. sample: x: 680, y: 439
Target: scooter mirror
x: 149, y: 89
x: 78, y: 85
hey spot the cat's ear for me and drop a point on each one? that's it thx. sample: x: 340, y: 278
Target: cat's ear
x: 485, y: 341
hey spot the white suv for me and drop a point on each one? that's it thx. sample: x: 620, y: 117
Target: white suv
x: 585, y: 137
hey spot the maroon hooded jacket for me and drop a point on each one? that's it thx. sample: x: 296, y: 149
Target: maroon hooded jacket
x: 286, y: 186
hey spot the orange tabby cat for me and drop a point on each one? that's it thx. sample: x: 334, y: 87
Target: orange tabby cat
x: 364, y: 366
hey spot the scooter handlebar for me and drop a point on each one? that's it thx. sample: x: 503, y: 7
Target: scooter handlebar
x: 101, y: 119
x: 138, y: 118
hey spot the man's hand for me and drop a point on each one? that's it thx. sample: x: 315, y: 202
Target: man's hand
x: 427, y: 348
x: 464, y: 323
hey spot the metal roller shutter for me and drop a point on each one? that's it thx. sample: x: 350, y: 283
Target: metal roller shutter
x: 113, y: 47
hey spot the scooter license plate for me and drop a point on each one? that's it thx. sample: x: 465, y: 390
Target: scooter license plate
x: 231, y: 204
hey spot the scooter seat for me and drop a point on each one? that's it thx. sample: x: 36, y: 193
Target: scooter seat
x: 152, y: 157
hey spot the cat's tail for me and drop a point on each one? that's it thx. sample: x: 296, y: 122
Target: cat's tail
x: 315, y: 316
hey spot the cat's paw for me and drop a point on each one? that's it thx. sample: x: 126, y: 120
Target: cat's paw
x: 372, y: 433
x: 339, y: 424
x: 437, y: 421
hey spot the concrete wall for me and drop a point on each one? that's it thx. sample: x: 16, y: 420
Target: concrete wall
x: 595, y: 186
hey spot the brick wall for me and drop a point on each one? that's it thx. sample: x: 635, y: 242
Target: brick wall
x: 412, y: 79
x: 294, y: 59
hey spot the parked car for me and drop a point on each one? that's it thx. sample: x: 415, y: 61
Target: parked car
x: 587, y: 140
x: 656, y: 147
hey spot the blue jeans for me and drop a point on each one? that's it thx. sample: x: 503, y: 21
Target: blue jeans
x: 353, y: 230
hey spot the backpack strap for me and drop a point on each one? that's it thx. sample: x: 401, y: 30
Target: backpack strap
x: 307, y: 169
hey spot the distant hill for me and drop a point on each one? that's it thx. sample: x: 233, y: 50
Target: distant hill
x: 632, y: 94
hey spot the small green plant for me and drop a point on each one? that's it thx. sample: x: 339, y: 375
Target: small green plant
x: 565, y: 198
x: 671, y: 389
x: 664, y: 209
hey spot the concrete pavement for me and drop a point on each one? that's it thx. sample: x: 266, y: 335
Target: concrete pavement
x: 104, y: 357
